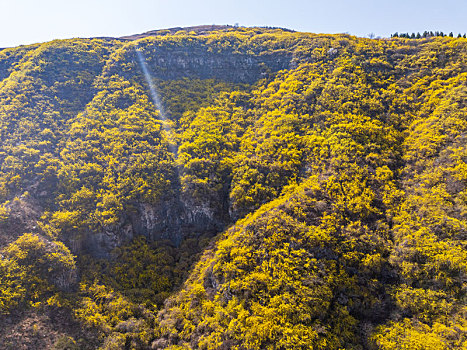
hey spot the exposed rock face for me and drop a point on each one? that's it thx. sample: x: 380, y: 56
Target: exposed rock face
x: 23, y: 215
x: 61, y: 274
x: 170, y: 220
x: 200, y: 61
x: 227, y: 66
x: 65, y: 280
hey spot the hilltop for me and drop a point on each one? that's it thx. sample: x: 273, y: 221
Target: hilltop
x: 199, y: 30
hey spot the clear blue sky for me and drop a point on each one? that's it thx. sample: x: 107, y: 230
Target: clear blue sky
x: 30, y: 21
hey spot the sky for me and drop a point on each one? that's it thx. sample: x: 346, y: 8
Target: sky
x: 30, y: 21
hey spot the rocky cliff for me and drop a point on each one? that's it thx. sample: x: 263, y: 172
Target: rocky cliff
x: 83, y: 82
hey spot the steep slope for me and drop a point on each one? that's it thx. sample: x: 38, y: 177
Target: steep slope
x: 235, y: 188
x: 47, y: 85
x: 376, y: 232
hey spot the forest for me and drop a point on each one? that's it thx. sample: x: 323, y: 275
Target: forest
x: 234, y: 188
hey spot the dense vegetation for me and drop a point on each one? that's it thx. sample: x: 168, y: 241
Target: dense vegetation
x: 425, y: 34
x: 316, y: 204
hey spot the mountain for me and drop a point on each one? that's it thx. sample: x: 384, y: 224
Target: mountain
x: 221, y: 187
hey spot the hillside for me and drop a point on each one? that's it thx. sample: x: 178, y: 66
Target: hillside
x: 234, y: 188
